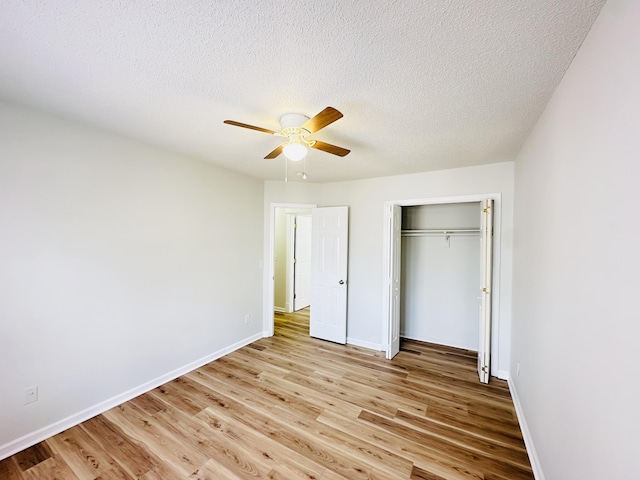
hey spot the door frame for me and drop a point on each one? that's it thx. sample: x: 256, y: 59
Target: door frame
x: 497, y: 245
x: 269, y: 266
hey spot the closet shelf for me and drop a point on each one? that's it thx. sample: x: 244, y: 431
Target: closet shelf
x: 440, y: 231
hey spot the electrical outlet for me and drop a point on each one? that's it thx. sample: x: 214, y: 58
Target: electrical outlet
x: 247, y: 318
x: 518, y: 370
x: 31, y: 395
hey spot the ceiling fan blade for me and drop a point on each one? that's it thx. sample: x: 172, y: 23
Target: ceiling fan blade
x: 244, y: 125
x: 276, y: 152
x: 327, y: 147
x: 321, y: 120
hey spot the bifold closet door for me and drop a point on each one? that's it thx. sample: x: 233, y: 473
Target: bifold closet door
x: 394, y: 263
x: 486, y: 263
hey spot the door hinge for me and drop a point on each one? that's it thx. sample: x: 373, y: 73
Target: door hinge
x: 295, y: 296
x: 485, y: 369
x: 295, y: 260
x: 485, y: 290
x: 295, y: 225
x: 485, y: 209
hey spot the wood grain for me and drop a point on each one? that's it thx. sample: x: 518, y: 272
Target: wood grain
x: 293, y: 407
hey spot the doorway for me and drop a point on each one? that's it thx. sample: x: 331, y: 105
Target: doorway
x: 328, y: 274
x: 269, y: 264
x: 292, y: 259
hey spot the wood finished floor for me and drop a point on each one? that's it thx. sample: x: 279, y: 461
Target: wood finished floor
x: 293, y: 407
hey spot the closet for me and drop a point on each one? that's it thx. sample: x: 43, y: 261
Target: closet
x: 440, y: 274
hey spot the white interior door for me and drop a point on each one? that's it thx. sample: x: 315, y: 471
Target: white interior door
x: 329, y: 250
x: 486, y: 262
x: 394, y: 266
x: 302, y: 263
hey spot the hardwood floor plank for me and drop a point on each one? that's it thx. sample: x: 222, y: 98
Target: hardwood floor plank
x: 275, y: 456
x: 515, y: 454
x: 475, y: 424
x: 9, y: 469
x: 420, y: 474
x: 147, y: 430
x: 296, y: 436
x: 115, y: 473
x: 424, y: 457
x: 273, y: 393
x: 326, y: 386
x: 295, y: 407
x: 32, y: 456
x: 274, y: 388
x: 164, y: 471
x: 306, y: 418
x: 441, y: 446
x: 85, y: 457
x: 212, y: 470
x: 149, y: 404
x: 134, y: 458
x: 172, y: 393
x: 215, y: 444
x: 54, y: 467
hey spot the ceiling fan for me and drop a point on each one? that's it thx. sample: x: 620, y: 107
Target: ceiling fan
x: 296, y: 128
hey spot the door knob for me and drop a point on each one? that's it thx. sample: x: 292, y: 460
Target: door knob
x: 341, y: 282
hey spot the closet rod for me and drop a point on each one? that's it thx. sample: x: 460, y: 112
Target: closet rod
x: 446, y: 232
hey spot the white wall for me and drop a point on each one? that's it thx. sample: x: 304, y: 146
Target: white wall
x: 280, y: 260
x: 440, y: 290
x: 120, y: 265
x: 464, y: 215
x: 365, y: 199
x: 576, y: 321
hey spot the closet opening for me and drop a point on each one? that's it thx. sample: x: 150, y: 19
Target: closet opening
x: 438, y: 275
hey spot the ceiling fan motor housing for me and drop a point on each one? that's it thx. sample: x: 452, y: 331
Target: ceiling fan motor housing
x: 291, y: 123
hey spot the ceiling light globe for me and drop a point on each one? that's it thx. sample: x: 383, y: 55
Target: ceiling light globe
x: 295, y: 151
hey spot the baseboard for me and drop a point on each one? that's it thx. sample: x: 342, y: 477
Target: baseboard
x: 363, y: 344
x: 41, y: 434
x: 526, y: 434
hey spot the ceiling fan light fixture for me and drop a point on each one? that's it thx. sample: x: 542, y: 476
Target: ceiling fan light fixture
x: 294, y: 150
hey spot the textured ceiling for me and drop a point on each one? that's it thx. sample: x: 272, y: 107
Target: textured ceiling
x: 423, y: 85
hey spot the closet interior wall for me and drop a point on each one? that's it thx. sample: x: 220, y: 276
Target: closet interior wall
x: 441, y: 274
